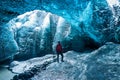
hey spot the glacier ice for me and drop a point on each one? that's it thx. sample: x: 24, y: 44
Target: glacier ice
x: 79, y: 24
x: 102, y: 63
x: 98, y: 15
x: 91, y: 22
x: 8, y: 46
x: 37, y: 32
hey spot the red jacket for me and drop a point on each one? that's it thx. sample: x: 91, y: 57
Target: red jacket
x: 59, y: 48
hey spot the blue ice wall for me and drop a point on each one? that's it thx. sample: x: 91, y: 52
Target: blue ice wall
x: 8, y: 46
x: 91, y: 21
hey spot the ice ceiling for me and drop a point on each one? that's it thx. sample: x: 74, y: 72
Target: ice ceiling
x: 91, y: 21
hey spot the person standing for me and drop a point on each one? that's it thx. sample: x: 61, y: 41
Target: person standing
x: 59, y: 51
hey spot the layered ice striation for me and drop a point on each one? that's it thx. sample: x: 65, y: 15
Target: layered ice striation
x: 37, y: 32
x: 8, y: 46
x: 91, y: 23
x: 100, y: 18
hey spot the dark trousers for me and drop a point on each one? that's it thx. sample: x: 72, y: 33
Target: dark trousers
x: 60, y: 53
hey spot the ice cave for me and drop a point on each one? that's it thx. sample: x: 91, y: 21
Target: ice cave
x: 34, y: 34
